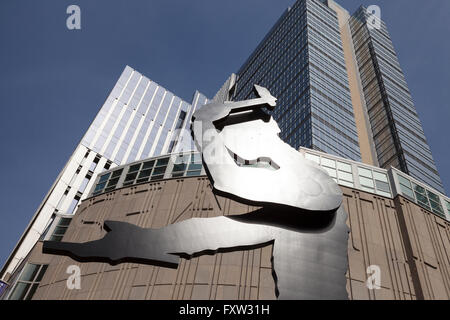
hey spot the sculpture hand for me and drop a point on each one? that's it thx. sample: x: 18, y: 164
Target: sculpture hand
x: 124, y: 242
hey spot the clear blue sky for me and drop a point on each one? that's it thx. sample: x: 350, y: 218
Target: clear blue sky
x: 53, y: 80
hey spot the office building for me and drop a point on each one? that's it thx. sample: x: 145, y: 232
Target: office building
x: 390, y: 226
x: 139, y: 119
x: 397, y: 133
x: 341, y: 88
x: 301, y: 62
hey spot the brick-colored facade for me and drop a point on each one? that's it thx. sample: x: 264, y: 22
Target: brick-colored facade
x: 409, y: 244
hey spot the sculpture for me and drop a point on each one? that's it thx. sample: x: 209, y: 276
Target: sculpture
x: 247, y: 161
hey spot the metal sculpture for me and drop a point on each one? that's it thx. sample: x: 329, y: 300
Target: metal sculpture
x: 245, y: 157
x: 246, y: 161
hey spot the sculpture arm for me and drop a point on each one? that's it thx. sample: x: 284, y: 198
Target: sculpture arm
x: 125, y: 242
x: 214, y: 112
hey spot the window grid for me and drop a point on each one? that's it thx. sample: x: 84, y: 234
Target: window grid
x: 28, y: 282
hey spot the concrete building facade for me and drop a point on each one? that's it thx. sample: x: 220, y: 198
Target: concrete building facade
x: 139, y: 119
x: 388, y: 229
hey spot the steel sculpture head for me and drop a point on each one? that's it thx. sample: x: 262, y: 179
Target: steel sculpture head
x: 245, y: 157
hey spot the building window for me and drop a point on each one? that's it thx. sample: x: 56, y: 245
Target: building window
x: 107, y: 165
x: 435, y: 203
x: 405, y: 187
x: 345, y: 175
x: 28, y: 282
x: 180, y: 165
x: 180, y: 120
x: 421, y: 196
x: 195, y: 165
x: 113, y: 180
x: 160, y: 169
x: 101, y: 183
x: 60, y: 229
x: 366, y: 180
x: 171, y: 145
x: 448, y: 207
x: 109, y: 184
x: 94, y: 163
x: 145, y: 171
x: 329, y: 166
x: 73, y: 204
x: 382, y: 184
x: 85, y: 182
x: 132, y: 174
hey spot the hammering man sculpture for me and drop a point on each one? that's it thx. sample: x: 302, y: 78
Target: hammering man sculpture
x: 300, y: 215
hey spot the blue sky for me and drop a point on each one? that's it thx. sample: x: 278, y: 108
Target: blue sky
x: 54, y: 80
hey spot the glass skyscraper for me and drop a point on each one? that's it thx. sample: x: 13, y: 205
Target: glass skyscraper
x: 306, y: 61
x: 301, y: 62
x: 396, y: 129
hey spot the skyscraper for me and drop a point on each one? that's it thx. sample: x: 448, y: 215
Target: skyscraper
x: 397, y: 133
x: 181, y: 138
x: 340, y: 88
x: 301, y: 62
x: 139, y: 119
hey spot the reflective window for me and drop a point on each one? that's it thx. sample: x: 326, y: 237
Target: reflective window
x: 312, y: 157
x: 60, y: 229
x: 104, y: 177
x: 73, y: 204
x: 344, y: 166
x: 345, y: 176
x: 365, y: 172
x: 132, y: 174
x: 94, y: 163
x: 108, y: 180
x: 435, y: 203
x: 148, y: 164
x: 99, y: 187
x: 28, y: 282
x: 162, y: 161
x: 421, y: 196
x: 84, y: 183
x: 179, y: 167
x: 328, y: 163
x: 155, y: 169
x: 195, y: 165
x: 143, y: 175
x: 193, y: 173
x: 405, y: 186
x: 448, y: 207
x: 159, y: 170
